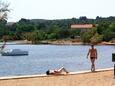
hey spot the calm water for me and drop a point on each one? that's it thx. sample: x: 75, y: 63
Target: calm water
x: 44, y: 57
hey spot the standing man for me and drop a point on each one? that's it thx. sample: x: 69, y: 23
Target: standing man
x: 93, y: 56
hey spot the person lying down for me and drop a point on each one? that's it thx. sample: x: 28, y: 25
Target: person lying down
x: 60, y: 71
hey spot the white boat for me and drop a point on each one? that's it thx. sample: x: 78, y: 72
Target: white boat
x: 14, y: 52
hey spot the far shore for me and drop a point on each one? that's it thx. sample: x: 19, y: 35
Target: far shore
x: 60, y: 42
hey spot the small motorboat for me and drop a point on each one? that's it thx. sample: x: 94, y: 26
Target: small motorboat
x: 14, y: 52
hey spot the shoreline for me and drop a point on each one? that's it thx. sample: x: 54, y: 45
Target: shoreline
x: 57, y: 42
x: 98, y: 78
x: 44, y: 75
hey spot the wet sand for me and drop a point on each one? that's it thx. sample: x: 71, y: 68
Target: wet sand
x: 100, y: 78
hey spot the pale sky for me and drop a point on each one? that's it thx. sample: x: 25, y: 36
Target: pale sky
x: 59, y: 9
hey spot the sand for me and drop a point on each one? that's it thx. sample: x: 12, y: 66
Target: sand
x: 102, y: 78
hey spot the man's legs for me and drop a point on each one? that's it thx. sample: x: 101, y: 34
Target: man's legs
x: 93, y: 65
x: 63, y: 70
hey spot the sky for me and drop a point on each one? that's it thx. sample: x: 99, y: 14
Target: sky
x: 59, y: 9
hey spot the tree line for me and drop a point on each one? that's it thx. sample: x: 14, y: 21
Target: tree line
x: 36, y: 30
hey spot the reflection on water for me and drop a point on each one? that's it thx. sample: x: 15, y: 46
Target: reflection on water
x: 44, y: 57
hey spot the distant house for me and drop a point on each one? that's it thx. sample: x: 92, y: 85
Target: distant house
x: 82, y: 27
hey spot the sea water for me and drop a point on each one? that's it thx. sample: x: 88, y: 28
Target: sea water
x: 44, y: 57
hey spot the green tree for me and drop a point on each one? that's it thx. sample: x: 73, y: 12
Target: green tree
x: 96, y: 39
x: 35, y: 36
x: 112, y: 27
x: 52, y: 36
x: 86, y: 36
x: 108, y: 35
x: 102, y: 27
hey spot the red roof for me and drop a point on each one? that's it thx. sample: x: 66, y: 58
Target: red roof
x: 75, y: 26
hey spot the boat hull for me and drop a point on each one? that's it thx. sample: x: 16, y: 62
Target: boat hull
x: 14, y: 52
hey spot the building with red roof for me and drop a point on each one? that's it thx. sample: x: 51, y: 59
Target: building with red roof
x: 82, y: 27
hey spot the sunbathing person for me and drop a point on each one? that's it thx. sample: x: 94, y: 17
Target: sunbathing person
x: 60, y: 71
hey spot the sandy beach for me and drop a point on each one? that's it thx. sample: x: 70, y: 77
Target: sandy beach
x: 99, y: 78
